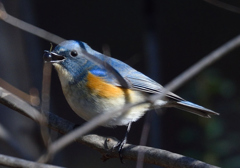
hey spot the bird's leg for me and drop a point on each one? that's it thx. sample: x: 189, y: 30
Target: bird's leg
x: 123, y: 142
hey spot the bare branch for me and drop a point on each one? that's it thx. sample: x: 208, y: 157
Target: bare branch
x: 143, y: 139
x: 105, y: 145
x: 151, y: 155
x: 45, y: 104
x: 28, y: 27
x: 15, y: 162
x: 24, y: 96
x: 224, y: 6
x: 19, y: 105
x: 46, y: 82
x: 199, y: 66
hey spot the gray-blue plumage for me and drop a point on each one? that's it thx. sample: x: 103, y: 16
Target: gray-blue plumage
x: 135, y: 79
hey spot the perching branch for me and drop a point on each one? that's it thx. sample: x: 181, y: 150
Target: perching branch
x: 105, y: 145
x: 20, y: 163
x: 151, y: 155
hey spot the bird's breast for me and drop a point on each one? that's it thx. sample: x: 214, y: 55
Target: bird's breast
x: 93, y: 96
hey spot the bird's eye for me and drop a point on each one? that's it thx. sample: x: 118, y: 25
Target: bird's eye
x: 74, y: 53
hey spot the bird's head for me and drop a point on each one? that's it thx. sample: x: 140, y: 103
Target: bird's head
x: 68, y: 59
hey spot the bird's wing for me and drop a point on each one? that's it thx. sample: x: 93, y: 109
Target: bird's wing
x: 140, y: 82
x: 143, y: 83
x: 136, y: 80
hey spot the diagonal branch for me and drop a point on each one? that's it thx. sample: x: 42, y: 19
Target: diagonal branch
x: 17, y: 104
x: 199, y: 66
x: 16, y: 162
x: 105, y: 145
x: 28, y: 27
x: 224, y: 5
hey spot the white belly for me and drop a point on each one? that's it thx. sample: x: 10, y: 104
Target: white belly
x: 89, y: 106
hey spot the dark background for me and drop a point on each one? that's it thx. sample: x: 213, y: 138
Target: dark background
x: 159, y: 38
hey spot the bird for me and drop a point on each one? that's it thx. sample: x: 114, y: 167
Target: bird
x: 94, y: 83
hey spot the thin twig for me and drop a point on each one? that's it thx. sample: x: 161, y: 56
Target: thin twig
x: 46, y: 82
x: 143, y: 139
x: 20, y: 106
x: 224, y: 6
x: 28, y: 27
x: 199, y: 66
x: 26, y: 97
x: 45, y: 104
x: 21, y: 163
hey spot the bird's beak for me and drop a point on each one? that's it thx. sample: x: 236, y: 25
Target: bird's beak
x: 52, y: 57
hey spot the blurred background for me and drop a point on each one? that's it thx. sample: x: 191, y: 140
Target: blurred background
x: 159, y: 38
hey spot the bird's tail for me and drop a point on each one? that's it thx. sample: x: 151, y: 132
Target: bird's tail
x: 194, y: 108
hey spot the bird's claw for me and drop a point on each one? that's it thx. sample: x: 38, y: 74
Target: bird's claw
x: 119, y: 146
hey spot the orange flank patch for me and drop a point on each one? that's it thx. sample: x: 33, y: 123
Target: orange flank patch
x: 103, y: 89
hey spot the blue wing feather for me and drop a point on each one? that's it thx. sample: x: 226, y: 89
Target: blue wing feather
x: 99, y: 72
x: 136, y: 80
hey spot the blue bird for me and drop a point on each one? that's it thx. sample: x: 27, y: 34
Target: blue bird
x: 90, y: 89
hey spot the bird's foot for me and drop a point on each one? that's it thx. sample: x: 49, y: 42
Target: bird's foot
x: 119, y: 146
